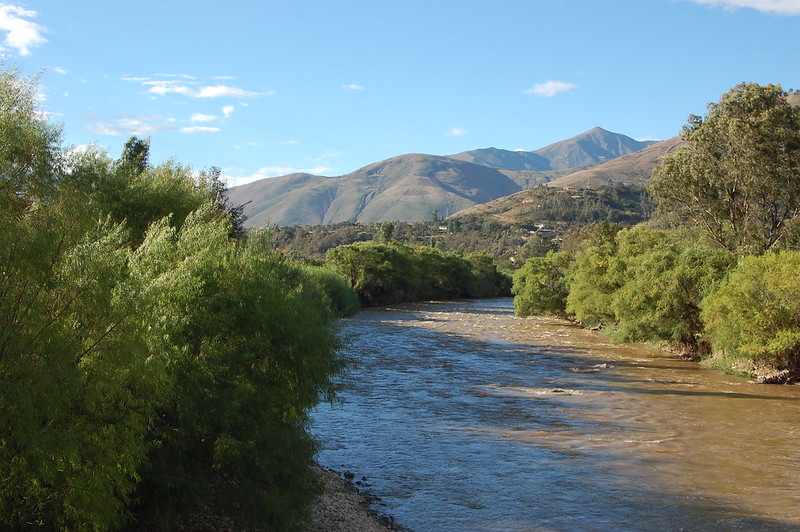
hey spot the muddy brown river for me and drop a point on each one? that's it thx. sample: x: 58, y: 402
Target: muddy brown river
x: 464, y: 417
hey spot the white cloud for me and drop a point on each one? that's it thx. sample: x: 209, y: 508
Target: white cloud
x: 228, y: 110
x: 777, y: 7
x: 59, y: 70
x: 456, y: 132
x: 199, y: 129
x: 549, y: 88
x: 350, y: 87
x: 162, y: 88
x: 220, y: 91
x: 22, y: 34
x: 133, y: 125
x: 288, y: 142
x: 187, y: 86
x: 200, y: 117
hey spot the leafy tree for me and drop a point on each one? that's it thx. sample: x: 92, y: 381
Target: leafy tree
x: 217, y: 188
x: 343, y: 300
x: 252, y: 350
x: 394, y: 272
x: 737, y: 174
x: 754, y: 317
x: 29, y: 145
x: 135, y: 155
x: 598, y: 275
x: 144, y: 355
x: 541, y: 286
x: 666, y: 276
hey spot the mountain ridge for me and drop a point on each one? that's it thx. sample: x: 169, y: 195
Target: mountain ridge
x: 416, y: 186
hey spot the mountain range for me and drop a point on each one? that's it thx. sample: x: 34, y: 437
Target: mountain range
x: 415, y: 187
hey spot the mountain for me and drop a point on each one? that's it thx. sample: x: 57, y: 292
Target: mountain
x: 592, y: 147
x: 632, y: 169
x: 404, y: 188
x: 413, y: 187
x: 509, y: 160
x: 551, y: 203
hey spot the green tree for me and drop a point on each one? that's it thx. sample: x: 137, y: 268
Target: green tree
x: 29, y: 145
x: 736, y: 176
x: 667, y: 274
x: 541, y: 286
x: 753, y: 319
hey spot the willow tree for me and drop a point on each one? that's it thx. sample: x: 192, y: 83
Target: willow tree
x: 738, y: 173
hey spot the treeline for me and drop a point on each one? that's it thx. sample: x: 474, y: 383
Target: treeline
x: 151, y: 358
x: 720, y: 282
x: 391, y: 272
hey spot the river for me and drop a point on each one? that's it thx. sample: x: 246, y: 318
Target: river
x: 463, y: 417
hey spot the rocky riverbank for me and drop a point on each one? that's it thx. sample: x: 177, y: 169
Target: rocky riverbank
x: 344, y: 508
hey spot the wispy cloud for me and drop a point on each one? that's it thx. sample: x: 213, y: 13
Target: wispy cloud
x: 549, y: 88
x: 199, y: 129
x: 351, y: 87
x: 59, y: 70
x: 162, y: 88
x: 776, y: 7
x: 456, y: 132
x: 22, y: 34
x: 288, y: 142
x: 133, y: 125
x: 221, y: 91
x: 186, y: 85
x: 228, y: 110
x: 200, y: 117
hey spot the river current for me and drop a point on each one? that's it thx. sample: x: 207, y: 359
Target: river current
x: 463, y: 417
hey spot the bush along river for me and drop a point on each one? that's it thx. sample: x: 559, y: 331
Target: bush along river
x: 464, y: 417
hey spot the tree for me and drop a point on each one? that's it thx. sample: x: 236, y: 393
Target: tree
x: 29, y: 145
x: 667, y: 274
x: 738, y: 174
x: 753, y: 319
x: 217, y: 188
x: 541, y: 286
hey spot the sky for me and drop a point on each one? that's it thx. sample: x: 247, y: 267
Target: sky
x: 268, y: 88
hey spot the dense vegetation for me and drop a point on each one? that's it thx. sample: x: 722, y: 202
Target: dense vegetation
x: 391, y: 272
x: 528, y: 224
x: 719, y: 281
x: 149, y: 357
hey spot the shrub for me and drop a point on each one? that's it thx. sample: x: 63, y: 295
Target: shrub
x: 343, y: 300
x: 541, y: 286
x: 755, y: 314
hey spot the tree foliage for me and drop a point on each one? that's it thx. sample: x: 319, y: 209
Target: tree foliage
x: 145, y: 356
x: 393, y: 272
x: 755, y: 314
x: 737, y: 174
x: 541, y: 286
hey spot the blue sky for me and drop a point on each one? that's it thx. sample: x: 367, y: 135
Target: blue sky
x: 269, y: 88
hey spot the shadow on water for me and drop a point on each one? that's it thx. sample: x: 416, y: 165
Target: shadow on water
x: 456, y: 432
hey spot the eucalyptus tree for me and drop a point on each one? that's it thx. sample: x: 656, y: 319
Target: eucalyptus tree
x: 738, y: 174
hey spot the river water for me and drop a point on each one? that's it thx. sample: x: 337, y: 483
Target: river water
x: 464, y: 417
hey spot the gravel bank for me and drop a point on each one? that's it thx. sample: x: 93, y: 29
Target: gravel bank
x: 343, y: 508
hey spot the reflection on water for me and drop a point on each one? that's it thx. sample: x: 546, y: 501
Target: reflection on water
x: 464, y: 417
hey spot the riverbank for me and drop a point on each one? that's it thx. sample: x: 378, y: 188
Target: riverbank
x: 342, y: 507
